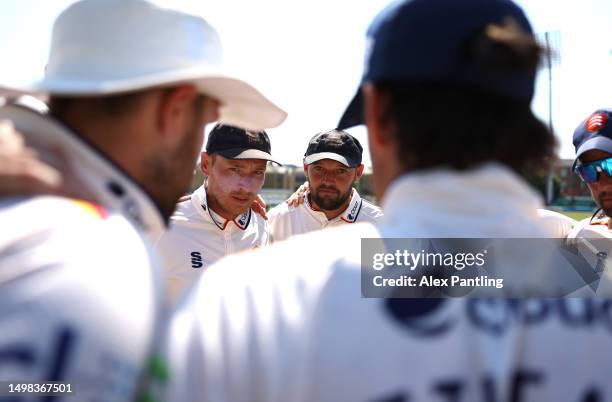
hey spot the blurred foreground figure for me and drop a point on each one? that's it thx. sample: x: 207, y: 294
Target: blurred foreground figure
x: 131, y: 87
x: 446, y: 99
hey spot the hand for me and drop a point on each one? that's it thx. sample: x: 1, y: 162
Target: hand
x: 297, y: 198
x: 21, y: 173
x: 259, y: 206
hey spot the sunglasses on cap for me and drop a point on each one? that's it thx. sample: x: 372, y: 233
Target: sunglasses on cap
x: 589, y: 172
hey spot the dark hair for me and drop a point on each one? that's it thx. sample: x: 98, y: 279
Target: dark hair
x: 110, y: 105
x: 106, y: 106
x: 446, y: 124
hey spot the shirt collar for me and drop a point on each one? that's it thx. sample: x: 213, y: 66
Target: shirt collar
x: 88, y: 172
x: 351, y: 213
x: 600, y: 218
x: 200, y: 202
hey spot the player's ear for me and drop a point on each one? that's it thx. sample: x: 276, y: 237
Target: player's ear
x: 359, y: 172
x: 376, y: 104
x: 202, y: 155
x: 381, y: 126
x: 206, y: 163
x: 175, y: 111
x: 306, y: 170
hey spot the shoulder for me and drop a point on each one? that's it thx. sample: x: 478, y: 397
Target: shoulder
x: 185, y: 210
x: 591, y: 228
x: 183, y: 221
x: 280, y: 210
x: 184, y: 225
x: 283, y: 211
x: 73, y: 227
x: 370, y: 211
x: 51, y: 209
x: 61, y: 215
x: 259, y: 222
x: 558, y: 224
x: 554, y: 216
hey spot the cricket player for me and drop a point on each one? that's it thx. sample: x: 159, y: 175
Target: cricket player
x: 592, y: 236
x: 80, y: 291
x: 446, y: 98
x: 217, y: 219
x: 332, y: 165
x: 593, y: 164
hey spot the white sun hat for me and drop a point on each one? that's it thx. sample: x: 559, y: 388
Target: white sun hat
x: 103, y: 47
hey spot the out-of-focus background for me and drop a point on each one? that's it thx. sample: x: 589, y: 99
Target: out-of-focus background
x: 308, y: 57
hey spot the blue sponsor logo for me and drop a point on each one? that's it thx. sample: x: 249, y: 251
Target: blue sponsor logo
x: 434, y: 317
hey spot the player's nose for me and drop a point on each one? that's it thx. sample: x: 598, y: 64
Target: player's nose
x: 328, y: 178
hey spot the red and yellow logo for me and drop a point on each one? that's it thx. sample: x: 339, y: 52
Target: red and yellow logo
x: 596, y: 122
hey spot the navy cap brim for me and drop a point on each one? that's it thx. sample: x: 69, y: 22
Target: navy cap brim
x: 329, y: 155
x: 599, y: 143
x: 247, y: 154
x: 353, y: 115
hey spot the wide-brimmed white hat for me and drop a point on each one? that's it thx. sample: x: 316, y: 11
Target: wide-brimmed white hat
x: 103, y: 47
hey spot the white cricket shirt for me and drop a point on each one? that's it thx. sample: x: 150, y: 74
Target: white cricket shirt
x: 198, y: 236
x: 560, y: 225
x: 286, y: 221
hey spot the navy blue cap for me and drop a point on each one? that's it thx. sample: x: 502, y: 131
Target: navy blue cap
x: 422, y: 41
x: 335, y: 145
x: 236, y: 143
x: 595, y: 132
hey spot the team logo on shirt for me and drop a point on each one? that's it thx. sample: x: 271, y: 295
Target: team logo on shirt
x: 196, y: 260
x: 242, y: 221
x: 354, y: 212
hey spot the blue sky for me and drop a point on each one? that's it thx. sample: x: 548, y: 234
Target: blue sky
x: 308, y: 56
